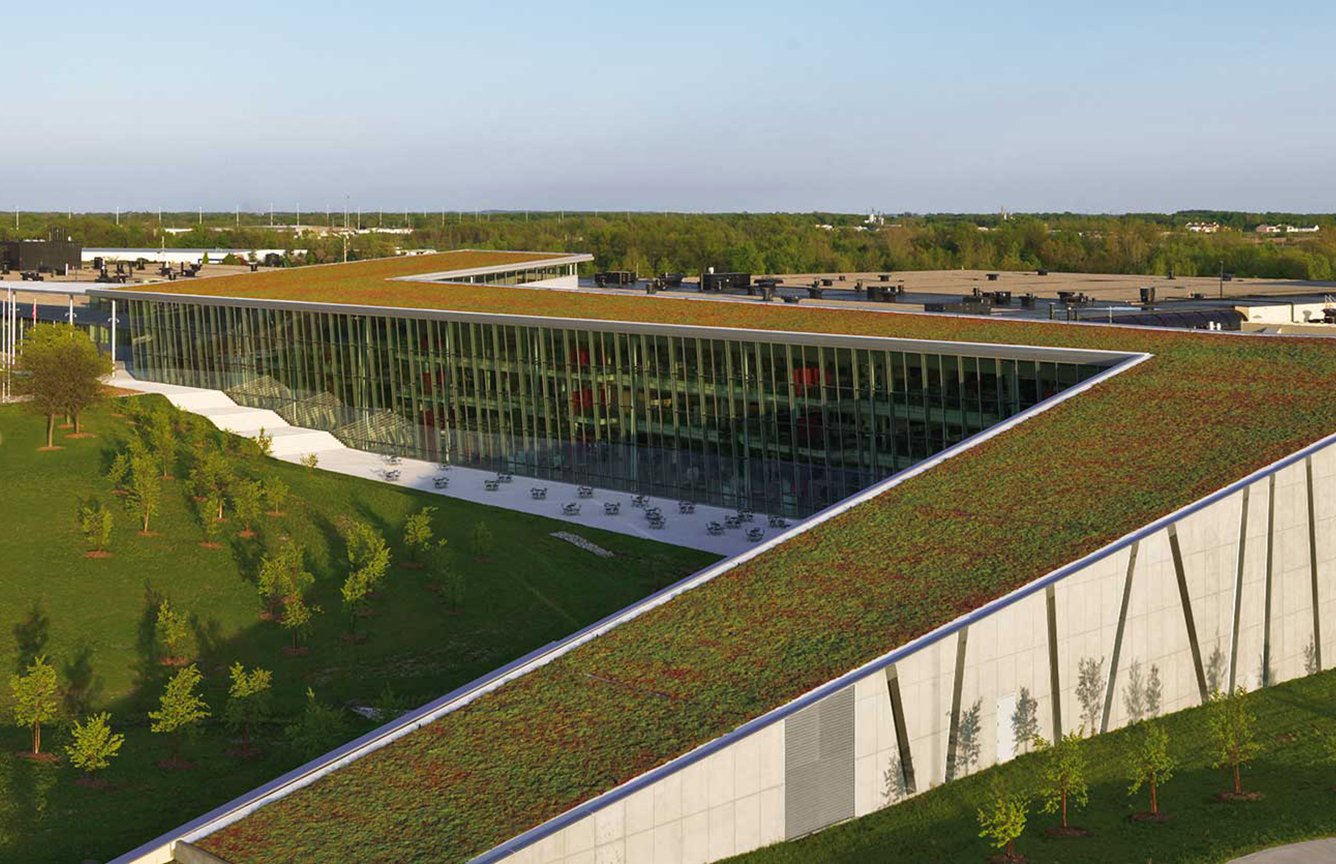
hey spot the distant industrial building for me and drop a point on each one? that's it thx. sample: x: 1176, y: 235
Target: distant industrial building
x: 44, y: 256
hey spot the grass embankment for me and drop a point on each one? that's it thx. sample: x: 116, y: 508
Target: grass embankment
x: 1295, y: 774
x: 533, y: 589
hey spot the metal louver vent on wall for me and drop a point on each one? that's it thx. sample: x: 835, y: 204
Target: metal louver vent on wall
x: 819, y: 765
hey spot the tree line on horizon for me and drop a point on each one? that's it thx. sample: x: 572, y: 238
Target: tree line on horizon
x: 651, y: 243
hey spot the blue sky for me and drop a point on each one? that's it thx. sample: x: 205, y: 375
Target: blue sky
x: 946, y: 106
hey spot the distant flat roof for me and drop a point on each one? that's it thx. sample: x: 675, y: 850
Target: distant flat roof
x: 362, y: 282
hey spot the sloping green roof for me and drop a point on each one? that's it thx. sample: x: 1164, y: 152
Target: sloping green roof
x: 1205, y: 410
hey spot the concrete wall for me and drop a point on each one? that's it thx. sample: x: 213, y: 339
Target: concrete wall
x: 571, y: 281
x: 1121, y: 647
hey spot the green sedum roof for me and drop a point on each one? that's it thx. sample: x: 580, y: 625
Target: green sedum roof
x: 1205, y: 410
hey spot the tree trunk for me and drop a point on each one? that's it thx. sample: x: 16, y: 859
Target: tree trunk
x: 50, y: 430
x: 36, y: 738
x: 1154, y: 802
x: 145, y: 521
x: 220, y: 508
x: 76, y: 422
x: 1238, y: 785
x: 1011, y: 849
x: 1064, y: 808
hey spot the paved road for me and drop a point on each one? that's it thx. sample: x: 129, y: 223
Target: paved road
x: 1312, y: 852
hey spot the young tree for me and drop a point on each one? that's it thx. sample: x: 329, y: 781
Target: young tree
x: 212, y: 478
x: 296, y: 618
x: 119, y: 472
x: 180, y: 708
x: 213, y: 528
x: 171, y: 633
x: 1231, y: 727
x: 248, y: 503
x: 367, y: 551
x: 309, y: 461
x: 35, y: 699
x: 93, y: 745
x: 453, y: 584
x: 95, y: 523
x: 145, y: 488
x: 319, y: 728
x: 1064, y: 774
x: 1025, y: 721
x: 161, y: 436
x: 275, y: 495
x: 1003, y: 822
x: 247, y: 700
x: 1149, y: 763
x: 60, y: 371
x: 264, y: 443
x: 283, y: 575
x: 418, y: 533
x: 481, y: 541
x: 353, y: 592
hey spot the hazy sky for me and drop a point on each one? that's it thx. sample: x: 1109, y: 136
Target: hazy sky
x: 942, y: 106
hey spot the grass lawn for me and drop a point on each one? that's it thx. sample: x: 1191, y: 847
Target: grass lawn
x: 533, y: 589
x: 1295, y: 772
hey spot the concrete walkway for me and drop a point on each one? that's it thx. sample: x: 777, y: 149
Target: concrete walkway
x: 291, y: 443
x: 1312, y: 852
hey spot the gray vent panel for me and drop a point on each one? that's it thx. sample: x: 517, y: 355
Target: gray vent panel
x: 819, y: 765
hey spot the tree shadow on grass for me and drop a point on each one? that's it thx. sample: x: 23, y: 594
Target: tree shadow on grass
x: 83, y: 687
x: 148, y: 669
x: 209, y: 639
x: 31, y: 634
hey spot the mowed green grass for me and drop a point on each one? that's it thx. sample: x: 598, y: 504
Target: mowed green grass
x: 1295, y: 772
x: 532, y: 590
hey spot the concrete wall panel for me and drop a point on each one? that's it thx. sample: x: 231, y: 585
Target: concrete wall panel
x: 733, y: 800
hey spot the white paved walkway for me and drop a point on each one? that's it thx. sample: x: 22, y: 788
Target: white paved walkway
x: 1312, y: 852
x: 291, y: 443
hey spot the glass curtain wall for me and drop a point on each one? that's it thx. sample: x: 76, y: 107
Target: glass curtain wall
x: 776, y: 427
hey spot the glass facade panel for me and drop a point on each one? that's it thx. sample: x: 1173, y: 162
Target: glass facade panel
x: 781, y: 427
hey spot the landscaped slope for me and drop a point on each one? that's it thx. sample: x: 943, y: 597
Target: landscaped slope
x: 534, y: 588
x: 1206, y: 410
